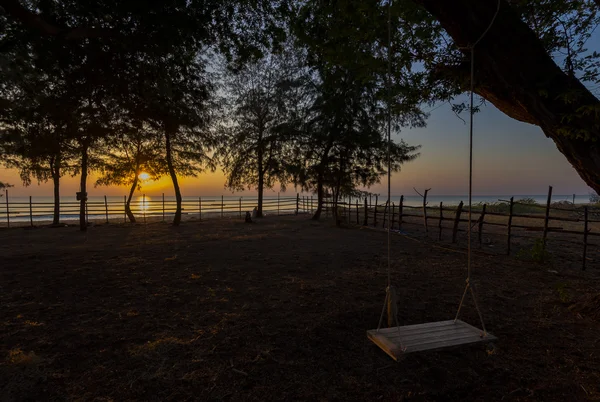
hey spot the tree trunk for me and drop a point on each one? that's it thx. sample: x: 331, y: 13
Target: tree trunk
x: 172, y: 173
x: 514, y: 72
x: 261, y: 185
x: 317, y: 214
x: 83, y: 187
x: 130, y: 214
x: 335, y: 192
x: 55, y: 171
x: 261, y: 172
x: 321, y: 178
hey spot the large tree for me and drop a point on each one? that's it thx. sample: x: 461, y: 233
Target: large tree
x: 135, y: 152
x: 533, y: 63
x: 102, y: 52
x: 259, y: 101
x: 515, y: 69
x: 360, y: 79
x: 342, y: 146
x: 39, y: 151
x: 34, y: 117
x: 177, y: 102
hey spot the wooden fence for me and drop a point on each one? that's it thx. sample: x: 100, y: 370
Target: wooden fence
x: 144, y: 208
x: 362, y: 212
x: 432, y: 217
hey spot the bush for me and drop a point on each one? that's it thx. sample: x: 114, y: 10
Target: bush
x: 522, y: 206
x: 537, y: 252
x: 527, y: 201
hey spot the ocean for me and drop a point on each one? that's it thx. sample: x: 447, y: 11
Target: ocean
x: 20, y: 210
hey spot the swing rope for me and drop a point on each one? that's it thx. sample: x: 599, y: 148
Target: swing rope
x: 390, y: 293
x: 389, y: 137
x: 468, y: 286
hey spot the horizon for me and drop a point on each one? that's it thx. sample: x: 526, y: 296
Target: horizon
x: 510, y: 157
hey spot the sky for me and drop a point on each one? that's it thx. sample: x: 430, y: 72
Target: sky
x: 510, y: 158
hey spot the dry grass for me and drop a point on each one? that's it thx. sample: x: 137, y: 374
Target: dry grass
x: 18, y: 357
x: 279, y: 313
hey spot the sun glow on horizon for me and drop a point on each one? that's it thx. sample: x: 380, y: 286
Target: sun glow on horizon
x: 144, y: 176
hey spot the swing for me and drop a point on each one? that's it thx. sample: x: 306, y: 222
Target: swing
x: 399, y: 340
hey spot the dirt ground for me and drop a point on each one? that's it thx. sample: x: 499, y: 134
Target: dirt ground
x: 277, y: 310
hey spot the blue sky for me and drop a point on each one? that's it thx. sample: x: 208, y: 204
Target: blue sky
x: 510, y: 157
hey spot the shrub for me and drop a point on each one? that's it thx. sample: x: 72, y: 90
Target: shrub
x: 537, y: 252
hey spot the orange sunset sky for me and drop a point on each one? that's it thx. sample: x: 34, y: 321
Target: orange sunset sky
x: 511, y: 158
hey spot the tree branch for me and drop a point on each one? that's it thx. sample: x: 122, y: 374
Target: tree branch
x: 422, y: 196
x: 504, y: 101
x: 34, y: 21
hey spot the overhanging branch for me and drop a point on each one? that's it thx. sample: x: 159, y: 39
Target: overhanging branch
x: 34, y: 21
x: 505, y: 102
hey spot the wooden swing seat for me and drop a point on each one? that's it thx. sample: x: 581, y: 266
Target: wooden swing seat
x: 397, y: 341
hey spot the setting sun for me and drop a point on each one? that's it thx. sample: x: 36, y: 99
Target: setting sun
x: 144, y: 176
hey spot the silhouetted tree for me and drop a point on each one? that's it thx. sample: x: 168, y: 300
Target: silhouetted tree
x: 343, y: 146
x: 516, y: 62
x: 138, y: 150
x: 261, y: 99
x: 97, y: 54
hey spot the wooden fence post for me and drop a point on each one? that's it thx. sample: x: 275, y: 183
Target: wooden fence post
x: 241, y: 208
x: 510, y: 216
x: 481, y: 220
x: 7, y: 209
x: 366, y: 219
x: 222, y: 206
x: 87, y: 219
x: 585, y: 236
x: 547, y: 216
x: 163, y: 206
x: 441, y: 219
x: 425, y: 210
x: 400, y: 212
x: 457, y: 221
x: 297, y: 202
x: 375, y: 213
x: 393, y: 215
x: 144, y: 206
x: 30, y: 212
x: 106, y: 208
x: 200, y: 209
x: 385, y: 211
x: 357, y: 213
x: 349, y: 208
x: 124, y: 209
x: 277, y: 203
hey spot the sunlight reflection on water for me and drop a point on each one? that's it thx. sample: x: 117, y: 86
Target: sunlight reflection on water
x: 143, y: 203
